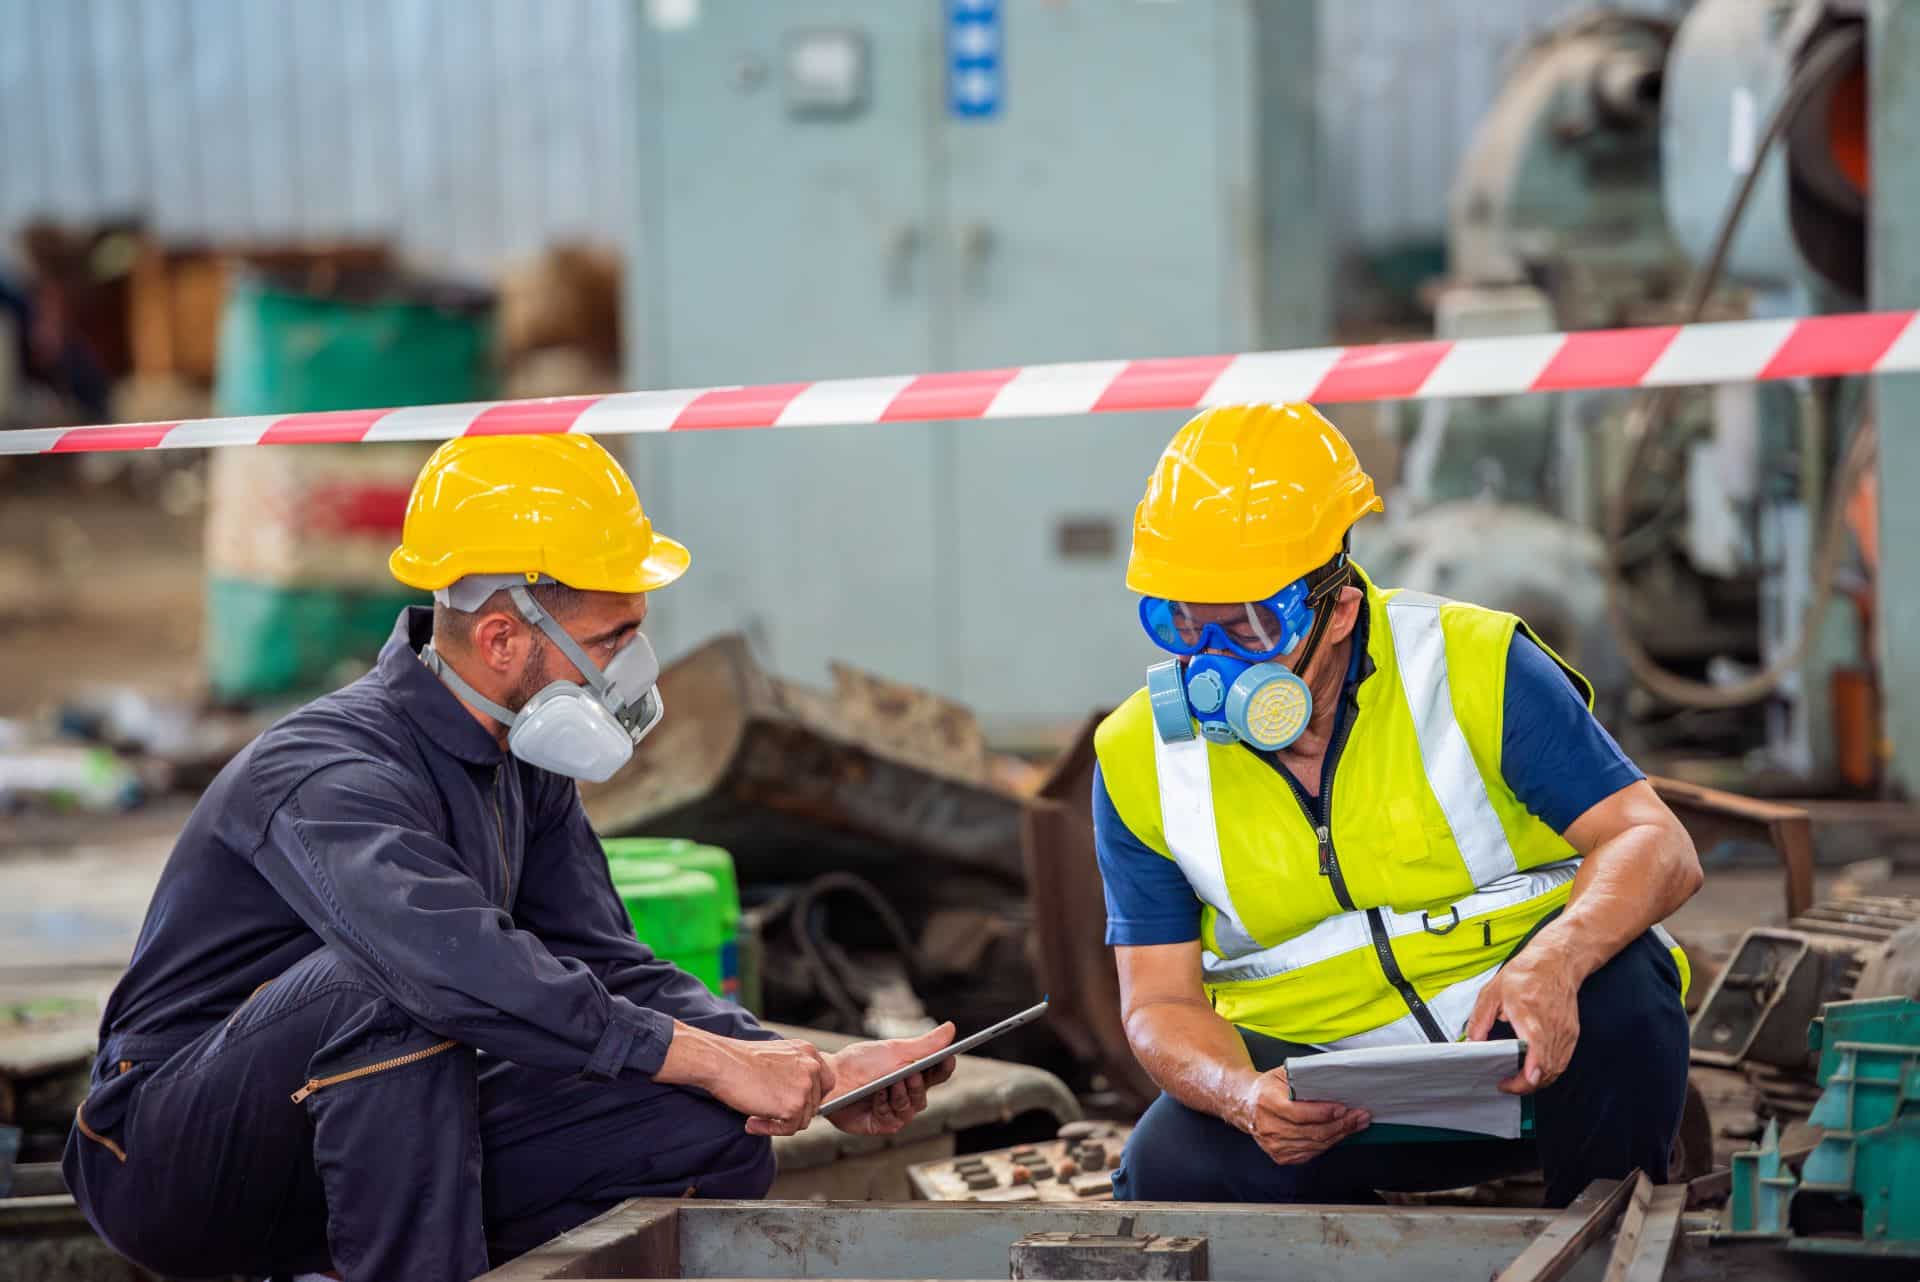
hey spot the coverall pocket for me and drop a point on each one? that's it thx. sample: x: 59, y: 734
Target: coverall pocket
x: 102, y: 1115
x: 398, y: 1061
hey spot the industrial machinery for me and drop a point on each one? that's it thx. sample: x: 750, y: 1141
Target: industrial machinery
x: 1858, y: 1193
x: 1635, y: 171
x: 1755, y: 1016
x: 1075, y: 1166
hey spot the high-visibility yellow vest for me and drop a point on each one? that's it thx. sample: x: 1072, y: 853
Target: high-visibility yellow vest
x: 1383, y: 926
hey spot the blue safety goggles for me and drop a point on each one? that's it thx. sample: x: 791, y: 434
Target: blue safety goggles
x: 1254, y: 630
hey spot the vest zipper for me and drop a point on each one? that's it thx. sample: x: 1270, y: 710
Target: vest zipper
x: 1329, y: 858
x: 1383, y: 949
x: 399, y: 1061
x: 1330, y: 869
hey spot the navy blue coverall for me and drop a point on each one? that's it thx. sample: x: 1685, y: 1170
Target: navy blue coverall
x: 387, y: 1016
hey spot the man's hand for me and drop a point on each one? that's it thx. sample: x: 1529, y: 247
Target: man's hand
x: 1538, y: 992
x: 885, y: 1112
x: 778, y: 1085
x: 1291, y: 1131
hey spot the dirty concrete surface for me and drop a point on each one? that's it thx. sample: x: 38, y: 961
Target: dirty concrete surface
x: 95, y: 591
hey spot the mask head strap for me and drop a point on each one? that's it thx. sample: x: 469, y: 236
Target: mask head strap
x: 460, y: 686
x: 470, y: 592
x: 1321, y: 597
x: 530, y: 611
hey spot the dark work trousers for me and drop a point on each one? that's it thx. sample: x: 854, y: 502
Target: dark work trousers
x: 1615, y: 1108
x: 428, y: 1168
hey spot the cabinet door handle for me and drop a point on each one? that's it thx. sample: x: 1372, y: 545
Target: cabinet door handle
x: 902, y: 248
x: 977, y: 243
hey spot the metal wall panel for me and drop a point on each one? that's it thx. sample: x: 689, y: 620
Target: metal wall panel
x: 478, y: 130
x: 1401, y: 88
x: 1116, y: 205
x: 471, y: 131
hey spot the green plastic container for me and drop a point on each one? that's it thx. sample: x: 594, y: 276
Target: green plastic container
x: 284, y: 351
x: 645, y: 853
x: 681, y: 914
x: 264, y: 639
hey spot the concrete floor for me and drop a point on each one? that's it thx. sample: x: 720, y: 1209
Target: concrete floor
x: 95, y: 589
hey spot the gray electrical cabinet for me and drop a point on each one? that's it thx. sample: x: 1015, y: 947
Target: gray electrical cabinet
x: 821, y: 197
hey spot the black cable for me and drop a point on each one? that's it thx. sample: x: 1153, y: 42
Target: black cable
x: 838, y: 990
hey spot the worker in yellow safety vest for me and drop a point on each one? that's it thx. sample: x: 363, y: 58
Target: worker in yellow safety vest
x: 1347, y: 816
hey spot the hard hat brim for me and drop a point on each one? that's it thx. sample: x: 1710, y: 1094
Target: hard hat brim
x: 667, y: 559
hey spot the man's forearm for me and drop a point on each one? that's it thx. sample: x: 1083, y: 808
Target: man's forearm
x: 1631, y: 882
x: 1193, y: 1055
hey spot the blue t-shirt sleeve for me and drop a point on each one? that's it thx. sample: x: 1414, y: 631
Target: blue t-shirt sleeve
x: 1558, y: 759
x: 1148, y: 898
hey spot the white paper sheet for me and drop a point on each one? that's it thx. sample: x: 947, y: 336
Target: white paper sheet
x: 1450, y: 1084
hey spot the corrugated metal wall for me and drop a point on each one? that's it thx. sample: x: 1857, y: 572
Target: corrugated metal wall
x: 467, y: 130
x: 475, y: 130
x: 1402, y: 86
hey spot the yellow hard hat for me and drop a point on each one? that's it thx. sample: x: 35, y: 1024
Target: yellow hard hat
x: 1246, y: 499
x: 555, y: 505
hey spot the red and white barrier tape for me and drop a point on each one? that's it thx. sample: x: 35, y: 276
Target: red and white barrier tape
x: 1668, y: 355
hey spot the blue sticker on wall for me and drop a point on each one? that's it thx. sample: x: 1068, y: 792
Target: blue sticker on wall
x: 976, y: 75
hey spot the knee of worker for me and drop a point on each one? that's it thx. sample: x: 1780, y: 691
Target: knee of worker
x: 680, y: 1144
x: 1633, y: 1027
x: 744, y: 1169
x: 713, y: 1157
x: 325, y: 1006
x: 353, y: 1023
x: 1174, y: 1155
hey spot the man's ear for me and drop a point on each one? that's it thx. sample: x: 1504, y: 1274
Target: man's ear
x: 499, y: 640
x: 1346, y: 614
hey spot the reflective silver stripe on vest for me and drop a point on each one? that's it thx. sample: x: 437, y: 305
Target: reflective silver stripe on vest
x: 1348, y: 931
x: 1451, y: 1008
x: 1186, y: 818
x: 1420, y: 648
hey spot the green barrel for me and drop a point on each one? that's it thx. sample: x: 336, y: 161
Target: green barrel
x: 285, y: 350
x: 681, y: 914
x: 625, y: 852
x: 264, y: 639
x: 296, y: 575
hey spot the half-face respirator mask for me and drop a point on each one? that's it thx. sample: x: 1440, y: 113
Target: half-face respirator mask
x: 581, y: 731
x: 1242, y: 695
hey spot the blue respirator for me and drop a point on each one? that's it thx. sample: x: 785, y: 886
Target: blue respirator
x: 1240, y: 696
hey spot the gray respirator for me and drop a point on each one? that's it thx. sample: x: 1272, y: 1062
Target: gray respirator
x: 584, y: 732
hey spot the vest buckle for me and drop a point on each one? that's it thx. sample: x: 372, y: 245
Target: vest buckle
x: 1431, y: 929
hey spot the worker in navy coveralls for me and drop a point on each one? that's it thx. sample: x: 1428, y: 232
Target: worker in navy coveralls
x: 387, y: 1016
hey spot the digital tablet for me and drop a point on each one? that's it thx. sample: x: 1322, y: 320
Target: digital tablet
x: 921, y: 1065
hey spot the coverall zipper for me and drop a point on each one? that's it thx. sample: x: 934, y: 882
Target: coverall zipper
x: 500, y: 826
x: 399, y: 1061
x: 1330, y: 869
